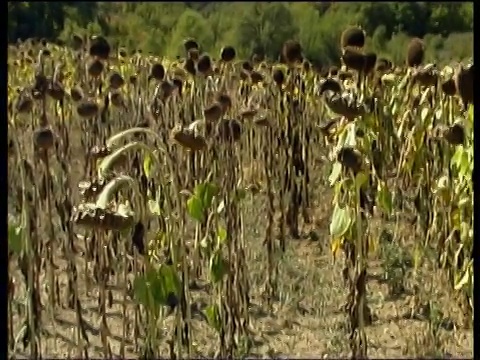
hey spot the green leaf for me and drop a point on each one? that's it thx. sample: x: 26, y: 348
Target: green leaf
x: 221, y: 234
x: 455, y: 160
x: 153, y: 288
x: 341, y: 221
x: 147, y: 165
x: 141, y: 291
x: 218, y: 267
x: 195, y: 208
x: 335, y: 174
x: 168, y: 283
x: 212, y: 313
x: 206, y: 192
x: 361, y: 179
x: 384, y: 198
x: 15, y: 239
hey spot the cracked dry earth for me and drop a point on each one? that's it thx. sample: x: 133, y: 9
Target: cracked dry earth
x: 306, y: 319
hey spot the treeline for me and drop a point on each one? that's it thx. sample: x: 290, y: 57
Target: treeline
x: 160, y: 28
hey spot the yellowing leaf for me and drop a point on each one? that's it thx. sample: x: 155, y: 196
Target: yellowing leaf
x: 466, y: 278
x: 336, y: 246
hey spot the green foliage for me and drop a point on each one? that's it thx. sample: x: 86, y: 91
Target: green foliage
x: 160, y: 28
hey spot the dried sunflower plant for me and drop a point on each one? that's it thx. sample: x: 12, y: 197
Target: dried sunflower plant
x: 132, y: 177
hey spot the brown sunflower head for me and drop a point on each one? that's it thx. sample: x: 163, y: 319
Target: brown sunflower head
x: 464, y: 84
x: 189, y: 67
x: 76, y: 93
x: 415, y: 52
x: 383, y: 65
x: 43, y: 139
x: 353, y: 59
x: 87, y: 109
x: 455, y: 134
x: 292, y: 52
x: 193, y: 54
x: 157, y: 72
x: 330, y: 84
x: 95, y: 68
x: 204, y: 64
x: 228, y: 53
x: 353, y: 36
x: 247, y: 65
x: 213, y: 112
x: 370, y: 61
x: 224, y: 100
x: 190, y: 44
x: 115, y: 81
x: 278, y: 76
x: 448, y: 87
x: 99, y: 47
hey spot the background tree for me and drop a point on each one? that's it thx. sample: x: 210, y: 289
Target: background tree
x: 160, y: 28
